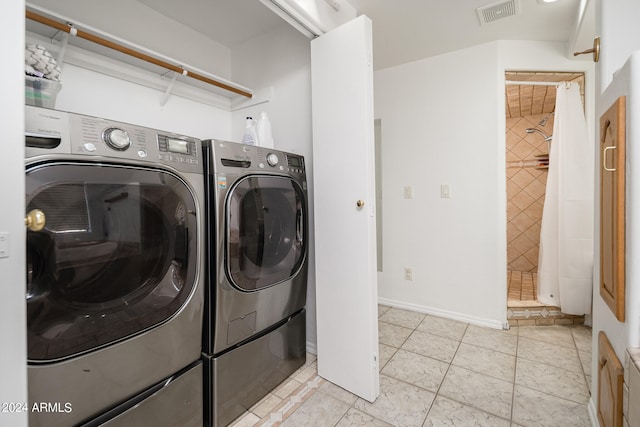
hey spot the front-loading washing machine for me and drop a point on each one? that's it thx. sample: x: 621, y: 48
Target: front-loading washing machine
x: 254, y: 328
x: 114, y: 272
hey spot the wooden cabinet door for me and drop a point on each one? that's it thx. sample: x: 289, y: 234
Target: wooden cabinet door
x: 610, y: 384
x: 612, y: 207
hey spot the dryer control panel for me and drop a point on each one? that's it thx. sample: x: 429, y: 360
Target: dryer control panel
x: 233, y: 157
x: 58, y: 132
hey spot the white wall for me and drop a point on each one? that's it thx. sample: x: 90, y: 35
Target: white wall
x: 279, y: 61
x: 88, y: 92
x: 13, y: 335
x: 617, y: 26
x: 443, y: 122
x: 439, y: 127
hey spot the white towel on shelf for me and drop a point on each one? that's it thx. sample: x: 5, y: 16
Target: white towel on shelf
x: 37, y: 58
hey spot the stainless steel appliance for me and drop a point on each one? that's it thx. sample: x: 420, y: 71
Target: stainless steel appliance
x: 254, y: 328
x: 114, y: 272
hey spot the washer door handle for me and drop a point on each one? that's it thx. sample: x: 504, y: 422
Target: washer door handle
x: 300, y: 226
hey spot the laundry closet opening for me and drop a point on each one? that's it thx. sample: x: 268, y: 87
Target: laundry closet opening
x: 530, y: 99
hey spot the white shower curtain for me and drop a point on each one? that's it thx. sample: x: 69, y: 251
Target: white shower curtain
x: 565, y: 262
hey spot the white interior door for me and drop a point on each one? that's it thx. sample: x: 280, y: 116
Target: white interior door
x: 344, y: 198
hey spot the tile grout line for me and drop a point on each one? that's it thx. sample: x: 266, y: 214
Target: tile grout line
x: 515, y: 373
x: 584, y: 373
x: 437, y: 393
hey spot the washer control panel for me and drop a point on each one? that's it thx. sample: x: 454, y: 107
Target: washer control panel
x: 177, y: 146
x: 233, y: 157
x: 295, y: 163
x: 93, y: 136
x: 116, y: 138
x: 272, y: 159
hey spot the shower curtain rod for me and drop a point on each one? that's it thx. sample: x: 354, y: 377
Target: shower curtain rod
x: 532, y: 83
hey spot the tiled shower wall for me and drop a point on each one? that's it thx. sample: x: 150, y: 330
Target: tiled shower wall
x: 525, y: 191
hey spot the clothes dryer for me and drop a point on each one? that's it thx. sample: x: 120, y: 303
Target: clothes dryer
x: 114, y: 272
x: 254, y: 329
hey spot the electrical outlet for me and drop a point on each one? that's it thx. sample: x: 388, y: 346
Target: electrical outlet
x: 408, y: 273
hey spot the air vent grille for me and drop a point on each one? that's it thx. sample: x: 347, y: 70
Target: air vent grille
x: 496, y: 11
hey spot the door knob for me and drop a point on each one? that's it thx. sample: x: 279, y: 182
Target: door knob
x: 35, y: 220
x: 360, y: 203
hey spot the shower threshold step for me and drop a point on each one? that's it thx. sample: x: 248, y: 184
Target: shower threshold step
x: 534, y: 313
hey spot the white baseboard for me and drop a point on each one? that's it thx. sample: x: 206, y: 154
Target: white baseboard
x: 312, y: 348
x: 478, y: 321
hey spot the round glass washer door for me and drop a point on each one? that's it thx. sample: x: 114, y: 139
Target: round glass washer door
x: 266, y: 231
x: 116, y: 257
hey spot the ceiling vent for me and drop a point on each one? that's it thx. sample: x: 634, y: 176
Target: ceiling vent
x: 496, y: 11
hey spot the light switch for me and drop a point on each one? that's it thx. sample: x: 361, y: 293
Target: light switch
x: 4, y: 245
x: 445, y: 191
x: 408, y: 192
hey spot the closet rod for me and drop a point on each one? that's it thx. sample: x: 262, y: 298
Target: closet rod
x: 123, y: 49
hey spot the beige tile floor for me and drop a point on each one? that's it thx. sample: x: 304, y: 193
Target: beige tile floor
x: 439, y: 372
